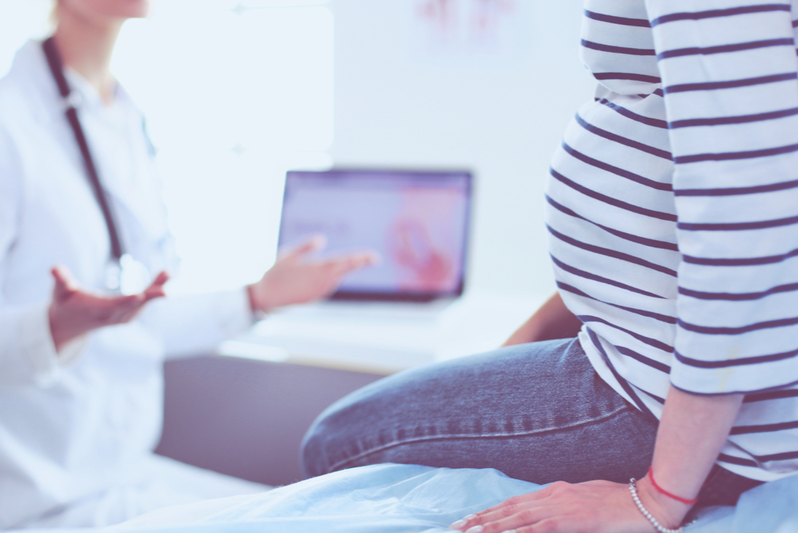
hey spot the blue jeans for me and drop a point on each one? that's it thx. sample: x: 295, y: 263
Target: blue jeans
x: 536, y: 412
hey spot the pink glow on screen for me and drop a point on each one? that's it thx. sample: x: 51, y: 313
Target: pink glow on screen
x: 423, y: 240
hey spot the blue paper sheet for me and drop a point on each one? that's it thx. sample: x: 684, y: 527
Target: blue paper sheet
x: 416, y: 499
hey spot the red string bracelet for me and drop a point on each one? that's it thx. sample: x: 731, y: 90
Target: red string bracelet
x: 665, y: 493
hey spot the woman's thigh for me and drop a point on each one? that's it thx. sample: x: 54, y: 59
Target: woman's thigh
x: 536, y: 412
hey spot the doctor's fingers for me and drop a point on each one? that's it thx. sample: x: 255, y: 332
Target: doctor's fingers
x: 339, y: 266
x: 65, y: 283
x: 130, y: 315
x: 156, y: 288
x: 317, y: 242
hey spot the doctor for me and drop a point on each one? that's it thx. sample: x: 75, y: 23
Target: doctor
x: 84, y: 256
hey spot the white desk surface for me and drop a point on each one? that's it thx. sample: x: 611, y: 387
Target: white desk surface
x: 376, y: 338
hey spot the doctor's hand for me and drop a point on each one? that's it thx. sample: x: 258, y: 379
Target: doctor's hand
x: 294, y: 278
x: 75, y: 311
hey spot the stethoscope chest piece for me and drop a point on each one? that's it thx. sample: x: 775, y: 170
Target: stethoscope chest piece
x: 126, y: 276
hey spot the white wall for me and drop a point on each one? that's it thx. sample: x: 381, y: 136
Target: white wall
x: 20, y: 20
x: 500, y: 115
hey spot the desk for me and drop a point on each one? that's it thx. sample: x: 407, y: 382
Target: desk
x: 381, y: 339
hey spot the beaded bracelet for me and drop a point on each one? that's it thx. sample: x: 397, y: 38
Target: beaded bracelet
x: 646, y: 513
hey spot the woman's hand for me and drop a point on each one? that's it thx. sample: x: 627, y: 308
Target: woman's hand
x: 295, y: 279
x: 74, y: 311
x: 591, y: 507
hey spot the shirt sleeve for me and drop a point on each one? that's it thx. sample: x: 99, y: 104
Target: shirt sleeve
x: 27, y: 353
x: 195, y: 324
x: 729, y: 80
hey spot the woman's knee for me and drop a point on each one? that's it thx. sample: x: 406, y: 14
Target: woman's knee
x: 339, y: 431
x: 370, y: 418
x: 312, y: 457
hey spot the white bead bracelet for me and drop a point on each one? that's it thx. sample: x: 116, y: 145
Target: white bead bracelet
x: 646, y: 513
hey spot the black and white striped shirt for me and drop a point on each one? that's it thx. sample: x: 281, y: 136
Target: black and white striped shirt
x: 672, y: 212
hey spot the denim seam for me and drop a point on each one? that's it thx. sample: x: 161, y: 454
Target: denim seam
x: 338, y: 464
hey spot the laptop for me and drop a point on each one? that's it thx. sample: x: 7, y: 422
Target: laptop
x: 417, y: 220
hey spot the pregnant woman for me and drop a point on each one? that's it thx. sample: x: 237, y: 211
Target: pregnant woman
x: 672, y: 213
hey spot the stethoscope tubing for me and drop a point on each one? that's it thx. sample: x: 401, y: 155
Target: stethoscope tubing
x: 57, y: 70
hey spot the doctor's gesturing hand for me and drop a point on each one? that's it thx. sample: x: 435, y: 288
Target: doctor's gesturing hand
x: 293, y: 279
x: 75, y: 311
x: 296, y: 279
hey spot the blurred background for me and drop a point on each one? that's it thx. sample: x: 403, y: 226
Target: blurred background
x: 237, y: 92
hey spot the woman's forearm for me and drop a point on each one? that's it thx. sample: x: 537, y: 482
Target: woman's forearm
x: 551, y: 321
x: 691, y: 433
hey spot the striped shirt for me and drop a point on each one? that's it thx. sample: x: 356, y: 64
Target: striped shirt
x: 672, y: 212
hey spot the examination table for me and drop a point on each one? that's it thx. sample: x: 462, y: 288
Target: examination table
x: 246, y: 418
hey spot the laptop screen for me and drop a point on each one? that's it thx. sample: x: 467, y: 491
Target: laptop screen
x: 417, y: 220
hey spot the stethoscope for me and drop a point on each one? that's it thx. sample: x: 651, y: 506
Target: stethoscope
x: 123, y: 273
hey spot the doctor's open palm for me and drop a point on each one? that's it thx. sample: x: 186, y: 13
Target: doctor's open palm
x: 75, y: 311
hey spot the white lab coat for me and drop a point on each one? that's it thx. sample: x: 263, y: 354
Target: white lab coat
x: 74, y: 426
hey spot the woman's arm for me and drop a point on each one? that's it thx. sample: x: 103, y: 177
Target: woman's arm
x: 691, y: 434
x: 552, y: 321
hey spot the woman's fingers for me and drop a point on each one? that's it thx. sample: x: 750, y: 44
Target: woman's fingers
x: 591, y: 507
x: 511, y: 514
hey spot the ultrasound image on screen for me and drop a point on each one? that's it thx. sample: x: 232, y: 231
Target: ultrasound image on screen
x: 416, y: 221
